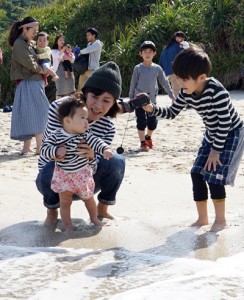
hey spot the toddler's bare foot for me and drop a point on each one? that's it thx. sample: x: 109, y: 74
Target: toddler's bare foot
x: 102, y: 211
x: 200, y: 222
x: 69, y: 230
x: 218, y: 226
x: 97, y: 222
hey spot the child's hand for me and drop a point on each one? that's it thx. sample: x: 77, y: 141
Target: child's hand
x: 148, y: 108
x: 107, y: 153
x: 60, y: 153
x: 213, y: 160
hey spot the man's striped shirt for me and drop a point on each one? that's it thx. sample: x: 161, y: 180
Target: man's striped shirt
x: 215, y: 108
x: 103, y: 128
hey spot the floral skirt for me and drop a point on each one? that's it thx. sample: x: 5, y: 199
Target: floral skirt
x: 80, y: 183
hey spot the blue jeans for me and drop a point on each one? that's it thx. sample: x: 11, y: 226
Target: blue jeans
x: 108, y: 178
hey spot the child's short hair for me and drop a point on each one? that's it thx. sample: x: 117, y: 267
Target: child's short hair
x: 43, y: 33
x: 192, y: 62
x: 69, y: 106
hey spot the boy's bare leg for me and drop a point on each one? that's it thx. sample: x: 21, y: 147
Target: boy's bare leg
x: 202, y: 211
x: 220, y: 221
x: 103, y: 211
x: 65, y: 204
x: 72, y: 74
x: 92, y: 210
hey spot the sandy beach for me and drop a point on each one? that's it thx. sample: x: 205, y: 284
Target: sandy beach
x: 154, y: 205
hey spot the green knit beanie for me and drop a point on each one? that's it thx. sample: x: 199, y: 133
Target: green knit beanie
x: 106, y: 78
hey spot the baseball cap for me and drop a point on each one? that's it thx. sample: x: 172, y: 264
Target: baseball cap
x: 148, y: 44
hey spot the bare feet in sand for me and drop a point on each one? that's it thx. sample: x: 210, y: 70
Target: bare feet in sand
x: 200, y: 222
x: 51, y: 219
x: 102, y: 210
x: 218, y: 226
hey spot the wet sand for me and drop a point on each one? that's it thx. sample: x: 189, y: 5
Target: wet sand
x: 154, y: 204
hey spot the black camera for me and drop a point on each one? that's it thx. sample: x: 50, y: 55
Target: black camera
x: 137, y: 102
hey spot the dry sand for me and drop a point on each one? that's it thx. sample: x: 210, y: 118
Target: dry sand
x: 154, y: 204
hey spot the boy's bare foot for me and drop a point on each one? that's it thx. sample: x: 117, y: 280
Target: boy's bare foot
x: 102, y: 211
x: 218, y: 226
x: 200, y: 222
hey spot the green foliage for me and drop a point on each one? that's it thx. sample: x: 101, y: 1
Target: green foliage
x: 124, y: 24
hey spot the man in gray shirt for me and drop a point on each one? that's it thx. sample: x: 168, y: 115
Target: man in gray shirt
x: 94, y: 49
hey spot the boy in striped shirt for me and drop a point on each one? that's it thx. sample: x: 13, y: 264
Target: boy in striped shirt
x: 222, y: 147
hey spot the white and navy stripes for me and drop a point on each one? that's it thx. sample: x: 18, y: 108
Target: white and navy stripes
x: 215, y: 108
x: 103, y: 128
x: 72, y: 161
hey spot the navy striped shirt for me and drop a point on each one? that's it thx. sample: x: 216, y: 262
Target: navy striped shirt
x: 103, y: 128
x: 215, y: 108
x: 72, y: 161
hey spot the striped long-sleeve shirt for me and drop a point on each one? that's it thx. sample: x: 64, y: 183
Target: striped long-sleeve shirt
x: 72, y: 161
x: 103, y: 128
x: 215, y: 108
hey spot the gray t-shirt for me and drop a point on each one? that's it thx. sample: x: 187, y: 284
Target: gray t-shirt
x: 145, y: 79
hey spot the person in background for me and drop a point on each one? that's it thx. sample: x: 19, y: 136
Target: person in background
x: 30, y: 108
x: 67, y: 62
x: 145, y: 79
x: 167, y: 56
x: 64, y: 86
x: 94, y: 49
x: 222, y: 147
x: 44, y: 55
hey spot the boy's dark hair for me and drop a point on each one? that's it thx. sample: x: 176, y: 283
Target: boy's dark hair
x: 69, y: 106
x: 93, y: 31
x: 43, y: 33
x: 192, y: 62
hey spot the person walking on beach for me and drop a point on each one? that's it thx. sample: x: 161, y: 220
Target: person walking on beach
x: 64, y: 86
x: 30, y: 107
x: 175, y: 45
x: 101, y: 91
x: 145, y: 79
x: 94, y: 49
x: 222, y: 147
x: 73, y: 173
